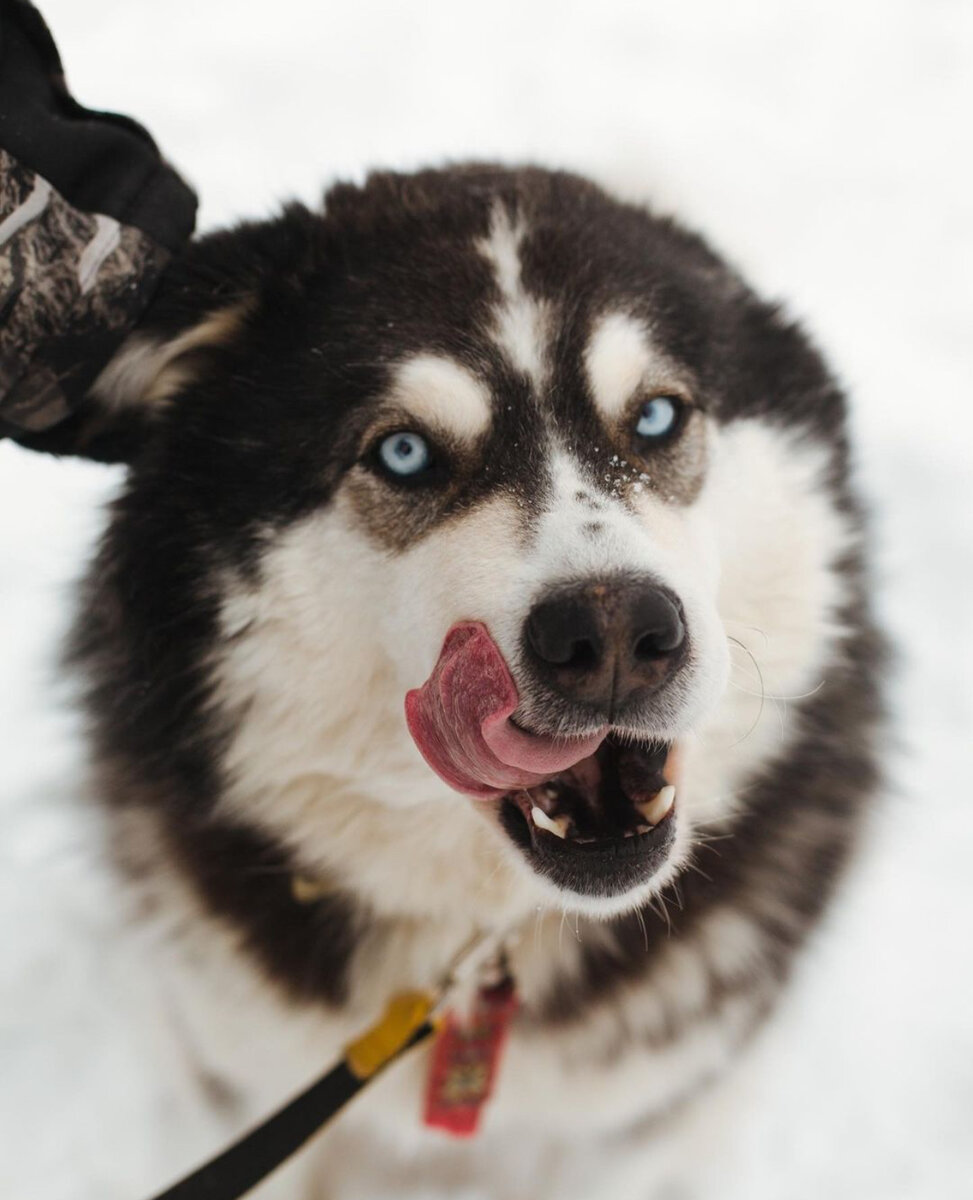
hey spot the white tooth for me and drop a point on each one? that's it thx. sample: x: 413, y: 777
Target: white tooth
x: 656, y: 808
x: 556, y: 825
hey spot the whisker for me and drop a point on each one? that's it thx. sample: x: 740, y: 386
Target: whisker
x: 699, y: 870
x: 748, y: 628
x: 706, y: 839
x: 772, y: 696
x: 664, y: 914
x: 763, y: 691
x: 645, y: 932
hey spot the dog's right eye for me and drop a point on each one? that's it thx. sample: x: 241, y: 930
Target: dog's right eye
x: 404, y: 455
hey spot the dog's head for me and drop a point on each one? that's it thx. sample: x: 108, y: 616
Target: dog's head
x: 468, y: 526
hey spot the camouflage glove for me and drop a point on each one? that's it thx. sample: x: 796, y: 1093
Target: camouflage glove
x: 89, y: 216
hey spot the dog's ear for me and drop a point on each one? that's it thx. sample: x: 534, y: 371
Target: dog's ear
x: 203, y: 305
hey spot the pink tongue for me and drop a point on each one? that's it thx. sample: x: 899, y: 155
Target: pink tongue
x: 458, y: 719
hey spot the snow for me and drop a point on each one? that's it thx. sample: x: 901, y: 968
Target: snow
x: 825, y: 147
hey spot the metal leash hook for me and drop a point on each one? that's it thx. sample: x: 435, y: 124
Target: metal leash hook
x: 409, y: 1019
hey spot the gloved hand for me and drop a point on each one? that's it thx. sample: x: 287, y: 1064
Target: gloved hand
x: 90, y: 214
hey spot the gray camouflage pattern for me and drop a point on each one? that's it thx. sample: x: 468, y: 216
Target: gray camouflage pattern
x: 71, y: 286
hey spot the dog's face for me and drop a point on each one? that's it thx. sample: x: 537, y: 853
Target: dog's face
x: 511, y: 504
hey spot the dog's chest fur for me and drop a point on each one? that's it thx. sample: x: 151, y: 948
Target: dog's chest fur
x: 616, y: 1036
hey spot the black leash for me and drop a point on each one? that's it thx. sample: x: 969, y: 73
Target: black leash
x: 411, y: 1017
x: 244, y: 1164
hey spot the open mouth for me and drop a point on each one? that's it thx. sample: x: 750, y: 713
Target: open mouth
x: 595, y: 815
x: 605, y: 825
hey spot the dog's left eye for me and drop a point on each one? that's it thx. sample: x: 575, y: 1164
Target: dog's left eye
x: 405, y: 454
x: 659, y: 417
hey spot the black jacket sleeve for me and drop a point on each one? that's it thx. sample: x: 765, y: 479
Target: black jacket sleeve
x: 90, y: 214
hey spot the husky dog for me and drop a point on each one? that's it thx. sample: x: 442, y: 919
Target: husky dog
x: 487, y: 561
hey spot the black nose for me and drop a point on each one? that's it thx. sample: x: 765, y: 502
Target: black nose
x: 603, y: 642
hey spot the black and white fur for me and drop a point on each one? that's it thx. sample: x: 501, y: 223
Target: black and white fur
x: 263, y: 599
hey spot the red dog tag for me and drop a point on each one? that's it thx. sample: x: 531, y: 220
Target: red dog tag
x: 465, y: 1058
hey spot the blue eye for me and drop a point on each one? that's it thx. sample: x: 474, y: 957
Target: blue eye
x: 658, y: 416
x: 405, y: 453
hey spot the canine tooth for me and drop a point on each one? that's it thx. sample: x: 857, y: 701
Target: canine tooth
x: 556, y: 825
x: 656, y: 808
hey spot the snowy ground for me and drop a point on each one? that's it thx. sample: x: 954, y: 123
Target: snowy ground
x: 824, y: 148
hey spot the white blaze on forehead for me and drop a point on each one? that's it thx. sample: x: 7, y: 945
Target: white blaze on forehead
x: 619, y: 359
x: 441, y: 392
x: 564, y: 551
x: 520, y: 320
